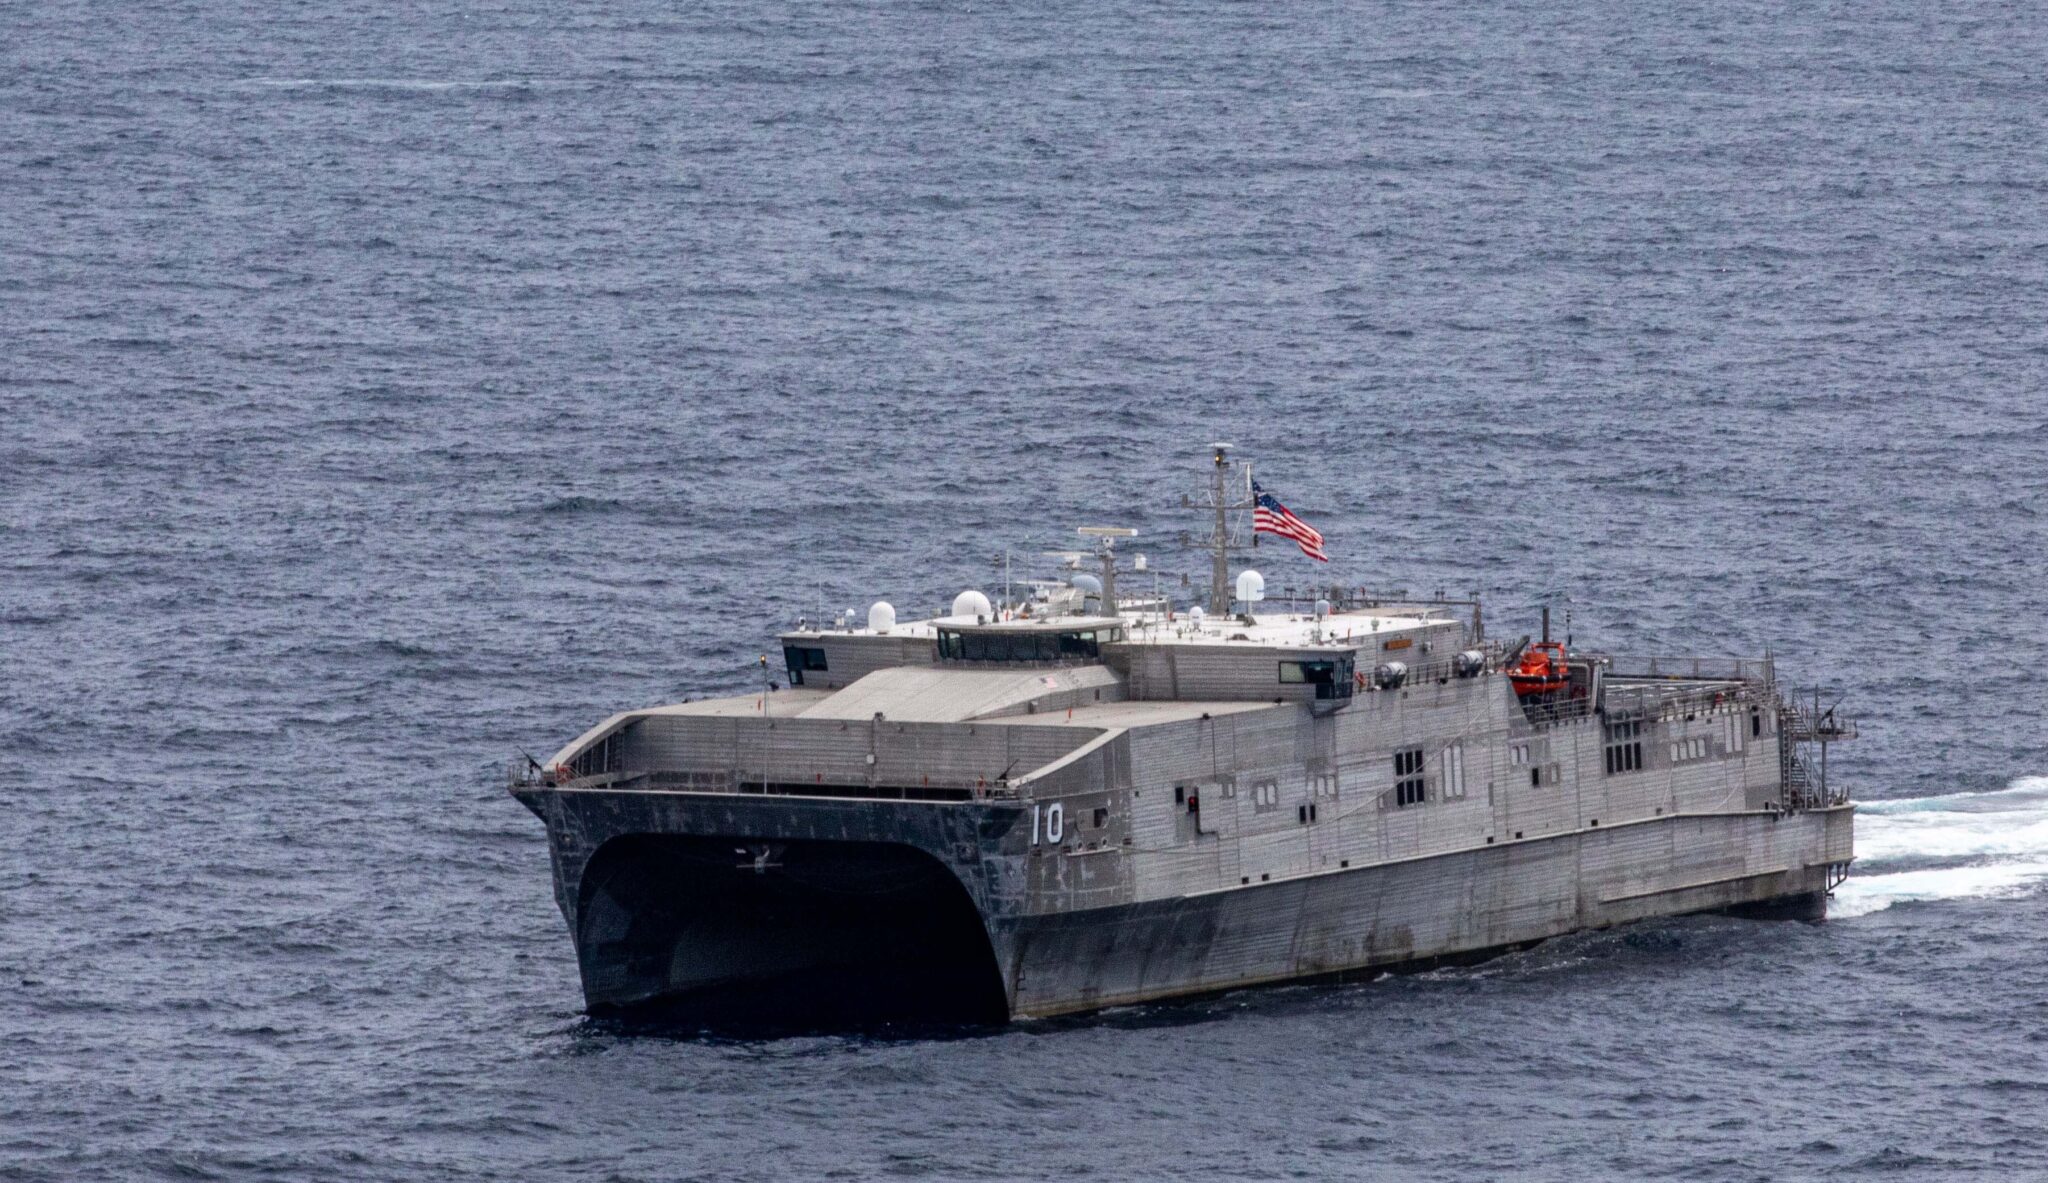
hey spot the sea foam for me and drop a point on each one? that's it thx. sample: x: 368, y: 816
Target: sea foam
x: 1949, y: 847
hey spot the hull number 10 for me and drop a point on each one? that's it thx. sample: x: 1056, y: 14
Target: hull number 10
x: 1055, y: 822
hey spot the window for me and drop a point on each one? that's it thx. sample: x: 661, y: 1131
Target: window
x: 1078, y: 645
x: 1756, y: 723
x: 1323, y: 785
x: 1332, y: 679
x: 1024, y: 645
x: 1689, y: 749
x: 1265, y: 795
x: 1518, y: 753
x: 1453, y: 764
x: 1624, y: 747
x: 1732, y: 733
x: 800, y: 658
x: 1409, y: 788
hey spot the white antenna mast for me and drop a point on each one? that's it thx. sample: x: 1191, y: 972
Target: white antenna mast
x: 1105, y: 541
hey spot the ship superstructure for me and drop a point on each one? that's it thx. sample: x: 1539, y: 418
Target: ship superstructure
x: 1086, y: 799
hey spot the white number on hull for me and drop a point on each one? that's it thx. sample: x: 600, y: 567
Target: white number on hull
x: 1055, y: 822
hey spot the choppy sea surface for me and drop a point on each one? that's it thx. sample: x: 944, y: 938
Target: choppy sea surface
x: 385, y: 389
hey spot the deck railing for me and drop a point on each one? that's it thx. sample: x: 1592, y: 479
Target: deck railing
x: 1726, y: 669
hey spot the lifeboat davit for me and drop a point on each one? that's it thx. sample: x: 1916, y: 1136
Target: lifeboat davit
x: 1540, y: 670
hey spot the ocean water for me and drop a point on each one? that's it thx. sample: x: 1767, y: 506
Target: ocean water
x: 391, y: 388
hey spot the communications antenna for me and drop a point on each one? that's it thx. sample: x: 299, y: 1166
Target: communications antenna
x: 1105, y: 545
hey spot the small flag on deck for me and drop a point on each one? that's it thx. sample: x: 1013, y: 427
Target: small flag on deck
x: 1271, y: 517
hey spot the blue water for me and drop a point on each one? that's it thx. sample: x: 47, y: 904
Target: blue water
x: 389, y: 388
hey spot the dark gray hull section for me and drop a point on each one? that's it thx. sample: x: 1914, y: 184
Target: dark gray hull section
x: 819, y: 902
x: 754, y: 908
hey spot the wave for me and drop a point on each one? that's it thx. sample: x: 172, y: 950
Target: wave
x: 580, y: 504
x: 1958, y: 846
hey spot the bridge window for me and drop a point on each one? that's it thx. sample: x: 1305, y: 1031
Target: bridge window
x: 1026, y: 644
x: 1078, y: 645
x: 1332, y: 679
x: 800, y: 658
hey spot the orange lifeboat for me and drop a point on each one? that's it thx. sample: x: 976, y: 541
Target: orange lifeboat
x: 1540, y: 670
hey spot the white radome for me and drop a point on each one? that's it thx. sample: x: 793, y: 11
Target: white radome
x: 972, y: 603
x: 881, y: 616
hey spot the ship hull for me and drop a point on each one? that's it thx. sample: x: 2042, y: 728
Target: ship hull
x: 1456, y: 907
x: 825, y: 911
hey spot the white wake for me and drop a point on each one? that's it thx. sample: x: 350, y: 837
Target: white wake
x: 1952, y: 847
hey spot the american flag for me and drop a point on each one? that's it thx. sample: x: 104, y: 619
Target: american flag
x: 1271, y: 517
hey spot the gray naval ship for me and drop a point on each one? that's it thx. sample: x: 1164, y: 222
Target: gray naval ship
x: 1075, y: 799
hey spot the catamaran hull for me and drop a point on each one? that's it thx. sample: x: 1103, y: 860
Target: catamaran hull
x: 822, y: 910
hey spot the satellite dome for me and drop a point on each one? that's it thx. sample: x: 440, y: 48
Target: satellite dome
x: 881, y: 616
x: 1195, y: 615
x: 1251, y: 586
x: 1087, y: 585
x: 972, y: 603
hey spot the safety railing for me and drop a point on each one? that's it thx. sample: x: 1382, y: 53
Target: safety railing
x: 1728, y: 669
x: 1673, y: 700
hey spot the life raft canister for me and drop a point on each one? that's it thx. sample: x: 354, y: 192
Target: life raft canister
x: 1541, y: 670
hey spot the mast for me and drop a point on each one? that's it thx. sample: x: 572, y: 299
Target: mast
x: 1105, y: 545
x: 1219, y: 544
x: 1219, y: 541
